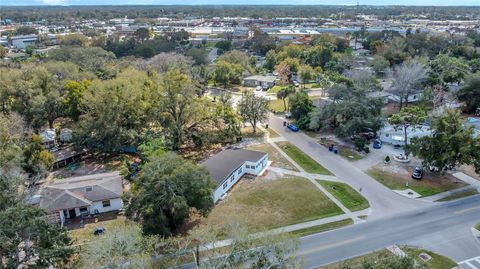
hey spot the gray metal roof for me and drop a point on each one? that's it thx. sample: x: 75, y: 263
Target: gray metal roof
x: 269, y: 79
x: 222, y: 164
x: 81, y: 191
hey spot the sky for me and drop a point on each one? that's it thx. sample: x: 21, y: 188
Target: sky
x: 242, y: 2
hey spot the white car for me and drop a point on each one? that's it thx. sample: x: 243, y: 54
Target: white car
x: 295, y: 83
x: 258, y: 88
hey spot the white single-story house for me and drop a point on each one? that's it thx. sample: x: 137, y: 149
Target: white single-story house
x: 258, y: 80
x: 228, y: 166
x: 78, y: 196
x: 389, y: 135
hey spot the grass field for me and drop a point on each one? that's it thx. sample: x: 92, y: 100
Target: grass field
x: 425, y: 187
x: 273, y: 155
x: 323, y: 227
x: 272, y: 133
x: 272, y: 203
x: 358, y: 261
x: 477, y: 226
x: 275, y: 89
x: 459, y: 195
x: 349, y: 197
x: 307, y: 163
x: 277, y: 106
x: 248, y: 132
x: 85, y: 234
x: 344, y: 151
x: 437, y: 261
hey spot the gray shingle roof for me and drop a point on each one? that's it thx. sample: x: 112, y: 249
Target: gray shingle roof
x: 222, y: 164
x: 81, y: 191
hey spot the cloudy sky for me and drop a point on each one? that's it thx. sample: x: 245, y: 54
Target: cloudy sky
x: 239, y: 2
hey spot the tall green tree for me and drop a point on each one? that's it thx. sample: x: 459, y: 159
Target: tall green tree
x: 470, y: 92
x: 37, y: 160
x: 408, y: 119
x: 227, y: 73
x: 350, y: 112
x: 450, y: 145
x: 165, y: 191
x: 253, y: 109
x: 300, y: 106
x: 115, y: 112
x: 180, y: 111
x: 28, y: 239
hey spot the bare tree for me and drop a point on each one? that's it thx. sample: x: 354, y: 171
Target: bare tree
x: 406, y: 80
x: 165, y: 62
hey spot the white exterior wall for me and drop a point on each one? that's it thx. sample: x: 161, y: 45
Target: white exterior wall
x: 253, y: 168
x: 115, y: 204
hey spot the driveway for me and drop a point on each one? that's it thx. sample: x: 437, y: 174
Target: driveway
x: 382, y: 200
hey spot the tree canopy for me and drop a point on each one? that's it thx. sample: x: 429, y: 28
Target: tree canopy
x: 166, y: 190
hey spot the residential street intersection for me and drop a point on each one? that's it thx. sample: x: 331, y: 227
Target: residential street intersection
x: 394, y: 219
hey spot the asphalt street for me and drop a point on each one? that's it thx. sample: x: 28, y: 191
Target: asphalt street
x: 441, y: 227
x: 382, y: 200
x: 444, y: 228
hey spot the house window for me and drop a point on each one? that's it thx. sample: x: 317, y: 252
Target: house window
x: 89, y: 188
x: 106, y: 203
x: 225, y: 185
x: 232, y: 178
x: 83, y: 209
x: 239, y: 171
x: 247, y: 166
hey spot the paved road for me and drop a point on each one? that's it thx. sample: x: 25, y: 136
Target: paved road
x: 382, y: 200
x: 444, y: 228
x: 473, y: 263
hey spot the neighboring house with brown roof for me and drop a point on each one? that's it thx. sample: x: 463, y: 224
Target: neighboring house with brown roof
x: 77, y: 196
x: 228, y: 166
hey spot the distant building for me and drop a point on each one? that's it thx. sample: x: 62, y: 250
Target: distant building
x: 79, y: 196
x: 23, y: 41
x: 228, y: 166
x: 259, y: 80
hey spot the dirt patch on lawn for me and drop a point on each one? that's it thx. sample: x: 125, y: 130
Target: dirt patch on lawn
x: 470, y: 170
x: 274, y: 155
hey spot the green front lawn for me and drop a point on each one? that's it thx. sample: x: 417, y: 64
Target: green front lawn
x: 379, y: 257
x: 272, y: 133
x: 458, y: 195
x: 437, y: 261
x: 429, y: 185
x: 267, y: 204
x: 302, y: 159
x: 349, y: 197
x: 275, y: 89
x: 277, y: 106
x: 323, y: 228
